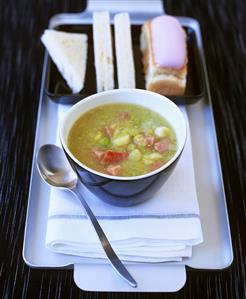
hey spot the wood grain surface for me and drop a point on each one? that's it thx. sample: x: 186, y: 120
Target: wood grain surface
x: 223, y: 26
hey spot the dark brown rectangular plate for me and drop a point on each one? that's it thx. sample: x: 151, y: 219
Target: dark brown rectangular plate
x: 57, y: 89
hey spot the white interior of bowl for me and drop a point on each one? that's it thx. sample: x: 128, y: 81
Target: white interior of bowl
x: 151, y: 100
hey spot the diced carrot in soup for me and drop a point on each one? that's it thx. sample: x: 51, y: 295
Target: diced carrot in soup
x: 111, y: 157
x: 126, y: 146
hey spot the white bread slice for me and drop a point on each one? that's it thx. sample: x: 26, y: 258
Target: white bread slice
x: 166, y: 81
x: 124, y: 54
x: 69, y: 53
x: 103, y: 51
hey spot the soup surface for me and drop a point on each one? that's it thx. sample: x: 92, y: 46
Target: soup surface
x: 122, y: 140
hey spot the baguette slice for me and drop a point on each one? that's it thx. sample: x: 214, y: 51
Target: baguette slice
x: 124, y: 54
x: 103, y: 51
x: 69, y: 53
x: 168, y: 77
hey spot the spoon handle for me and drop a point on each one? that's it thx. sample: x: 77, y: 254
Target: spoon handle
x: 113, y: 258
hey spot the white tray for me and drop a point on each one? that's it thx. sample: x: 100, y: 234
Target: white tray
x: 216, y: 250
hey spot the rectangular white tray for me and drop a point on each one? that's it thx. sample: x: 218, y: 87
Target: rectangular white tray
x: 216, y: 250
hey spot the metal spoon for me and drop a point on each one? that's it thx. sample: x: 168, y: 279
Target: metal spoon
x: 55, y: 169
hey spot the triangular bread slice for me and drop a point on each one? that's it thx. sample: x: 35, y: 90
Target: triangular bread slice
x: 69, y: 53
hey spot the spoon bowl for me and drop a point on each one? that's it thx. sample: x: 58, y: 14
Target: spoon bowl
x: 55, y: 168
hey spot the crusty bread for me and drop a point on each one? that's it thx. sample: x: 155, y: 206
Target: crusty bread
x: 161, y: 79
x: 69, y: 53
x: 103, y: 51
x: 124, y: 53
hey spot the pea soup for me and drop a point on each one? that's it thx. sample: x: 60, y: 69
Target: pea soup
x: 122, y: 140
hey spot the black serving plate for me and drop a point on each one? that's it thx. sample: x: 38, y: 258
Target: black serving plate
x: 57, y: 89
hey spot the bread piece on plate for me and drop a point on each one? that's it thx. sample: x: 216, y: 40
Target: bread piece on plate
x: 69, y: 53
x: 164, y: 49
x: 124, y: 53
x: 103, y: 51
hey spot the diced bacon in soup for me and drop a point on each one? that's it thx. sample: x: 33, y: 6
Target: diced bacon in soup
x: 149, y: 141
x: 123, y: 115
x: 98, y: 153
x: 162, y: 145
x: 114, y: 169
x: 108, y: 131
x: 155, y: 165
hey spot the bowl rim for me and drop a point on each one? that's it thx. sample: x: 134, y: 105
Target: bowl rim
x: 117, y: 91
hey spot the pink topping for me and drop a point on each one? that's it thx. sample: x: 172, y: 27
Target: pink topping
x: 168, y: 42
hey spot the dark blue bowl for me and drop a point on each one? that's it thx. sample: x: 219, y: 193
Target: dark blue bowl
x: 125, y: 191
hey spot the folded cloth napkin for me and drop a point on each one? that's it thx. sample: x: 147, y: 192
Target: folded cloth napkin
x: 163, y: 228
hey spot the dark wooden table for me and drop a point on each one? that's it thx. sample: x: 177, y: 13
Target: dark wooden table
x: 223, y: 26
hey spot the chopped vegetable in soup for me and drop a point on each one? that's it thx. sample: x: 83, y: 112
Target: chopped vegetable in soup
x: 122, y: 140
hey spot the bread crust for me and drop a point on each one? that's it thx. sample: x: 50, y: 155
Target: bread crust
x: 167, y: 86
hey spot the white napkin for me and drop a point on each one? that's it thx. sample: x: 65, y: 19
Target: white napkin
x: 163, y: 228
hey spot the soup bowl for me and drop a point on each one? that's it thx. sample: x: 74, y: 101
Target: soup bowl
x: 121, y: 190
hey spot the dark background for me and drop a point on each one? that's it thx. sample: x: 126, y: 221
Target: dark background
x: 223, y: 26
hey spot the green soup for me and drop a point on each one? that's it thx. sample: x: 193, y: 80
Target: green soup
x: 122, y: 140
